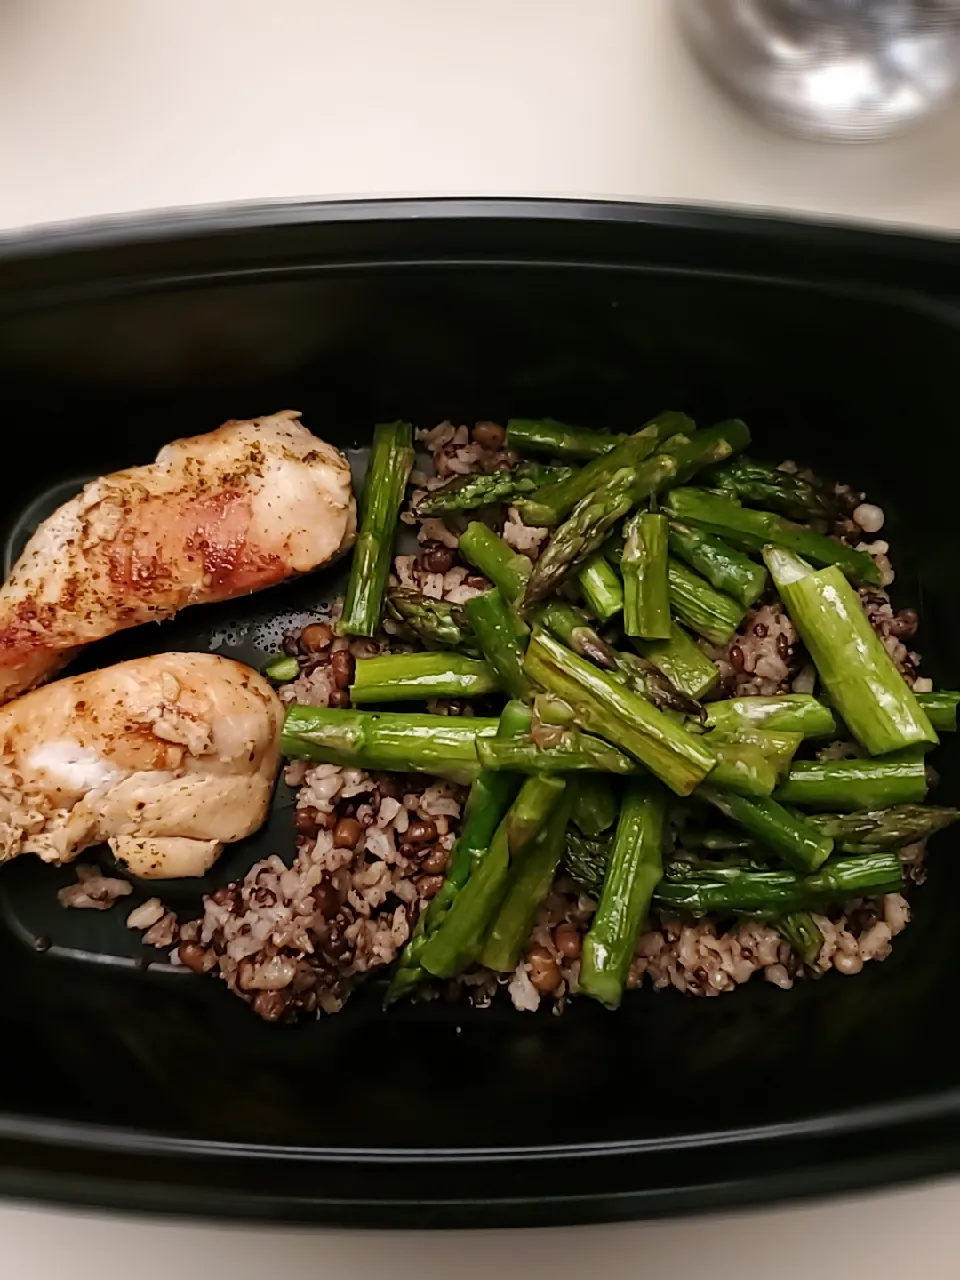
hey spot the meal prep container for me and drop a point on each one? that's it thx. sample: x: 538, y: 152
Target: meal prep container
x: 125, y: 1082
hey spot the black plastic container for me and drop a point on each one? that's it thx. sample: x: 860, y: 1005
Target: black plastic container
x: 153, y: 1089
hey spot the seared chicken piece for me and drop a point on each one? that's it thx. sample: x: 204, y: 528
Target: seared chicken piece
x: 216, y: 516
x: 167, y: 759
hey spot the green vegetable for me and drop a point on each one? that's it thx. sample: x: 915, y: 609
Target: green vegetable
x: 557, y: 440
x: 790, y: 712
x: 876, y: 703
x: 758, y: 484
x: 528, y: 883
x: 735, y: 889
x: 755, y: 530
x: 777, y: 746
x: 743, y: 769
x: 940, y: 709
x: 698, y: 606
x: 633, y: 871
x: 405, y: 677
x: 801, y: 931
x: 572, y: 752
x: 682, y: 661
x: 391, y: 457
x: 554, y: 502
x: 725, y: 568
x: 854, y: 784
x: 585, y: 861
x: 282, y: 669
x: 875, y: 829
x: 600, y: 587
x: 594, y: 804
x: 624, y: 487
x: 506, y: 569
x: 438, y: 625
x: 467, y: 493
x: 608, y: 708
x: 501, y: 637
x: 445, y: 746
x: 459, y: 940
x: 794, y: 839
x: 646, y: 609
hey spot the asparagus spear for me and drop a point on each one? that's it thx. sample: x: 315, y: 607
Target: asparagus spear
x: 497, y: 629
x: 723, y: 566
x: 594, y: 804
x: 490, y: 797
x: 796, y: 841
x: 528, y: 884
x: 438, y: 624
x: 407, y: 677
x: 734, y: 889
x: 864, y: 685
x: 506, y: 568
x: 801, y: 931
x: 467, y: 493
x: 391, y: 457
x: 758, y: 484
x: 458, y: 941
x: 554, y: 502
x: 698, y: 606
x: 585, y: 861
x: 849, y: 785
x: 682, y: 661
x: 755, y: 530
x: 790, y: 712
x: 600, y: 587
x: 883, y: 828
x: 445, y: 746
x: 557, y: 440
x: 646, y: 605
x: 616, y: 713
x: 778, y: 746
x: 743, y: 769
x: 573, y: 628
x: 282, y: 669
x: 584, y: 531
x: 941, y: 710
x: 572, y: 752
x: 633, y: 871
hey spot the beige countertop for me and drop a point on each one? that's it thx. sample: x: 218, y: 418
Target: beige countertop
x: 108, y: 106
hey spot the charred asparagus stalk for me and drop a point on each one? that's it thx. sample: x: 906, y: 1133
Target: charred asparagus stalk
x: 391, y: 457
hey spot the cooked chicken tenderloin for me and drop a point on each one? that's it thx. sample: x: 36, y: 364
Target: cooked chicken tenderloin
x: 166, y: 758
x: 216, y: 516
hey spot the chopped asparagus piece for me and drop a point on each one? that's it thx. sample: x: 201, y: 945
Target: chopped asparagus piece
x: 791, y: 712
x: 467, y: 493
x: 445, y: 746
x: 755, y: 530
x: 795, y: 840
x: 600, y: 587
x: 742, y: 769
x: 940, y: 709
x: 594, y: 804
x: 723, y: 566
x: 646, y: 610
x: 760, y: 485
x: 682, y: 661
x: 875, y: 829
x: 407, y: 677
x: 585, y: 861
x: 506, y: 568
x: 282, y: 669
x: 501, y: 636
x: 391, y: 457
x: 557, y: 440
x: 633, y: 871
x: 849, y: 785
x: 876, y: 703
x: 438, y: 624
x: 698, y: 606
x: 801, y: 931
x: 611, y: 710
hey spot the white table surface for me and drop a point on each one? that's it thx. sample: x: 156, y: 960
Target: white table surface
x: 108, y: 106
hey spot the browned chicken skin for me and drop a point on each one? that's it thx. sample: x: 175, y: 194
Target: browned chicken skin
x: 166, y: 758
x: 216, y: 516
